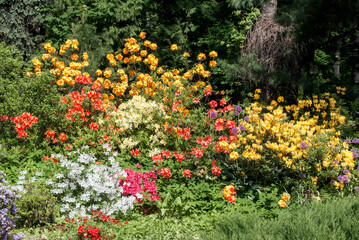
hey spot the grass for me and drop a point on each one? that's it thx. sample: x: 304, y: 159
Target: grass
x: 333, y: 219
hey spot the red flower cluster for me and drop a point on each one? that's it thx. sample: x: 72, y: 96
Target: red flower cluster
x: 179, y: 156
x: 219, y: 124
x: 186, y: 173
x: 4, y: 117
x: 83, y: 80
x: 166, y: 154
x: 93, y: 232
x: 197, y: 152
x: 157, y: 159
x: 94, y: 126
x: 26, y: 120
x: 50, y: 134
x: 204, y: 141
x: 196, y: 100
x: 76, y: 108
x: 213, y: 104
x: 207, y: 92
x: 165, y: 172
x: 223, y: 102
x: 186, y: 133
x: 216, y: 170
x: 135, y: 152
x: 49, y: 159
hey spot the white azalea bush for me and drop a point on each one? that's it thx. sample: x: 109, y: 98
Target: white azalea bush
x: 83, y: 184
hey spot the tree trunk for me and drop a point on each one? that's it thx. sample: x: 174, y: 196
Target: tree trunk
x: 269, y: 8
x: 336, y: 66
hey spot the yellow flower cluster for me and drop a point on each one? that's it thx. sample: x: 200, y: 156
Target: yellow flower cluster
x: 284, y: 200
x: 64, y: 74
x: 341, y: 90
x: 288, y: 133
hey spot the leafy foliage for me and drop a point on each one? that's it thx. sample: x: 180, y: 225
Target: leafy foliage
x: 21, y: 25
x: 37, y: 206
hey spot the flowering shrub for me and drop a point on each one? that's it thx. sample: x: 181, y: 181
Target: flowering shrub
x: 8, y: 210
x: 140, y: 185
x: 83, y: 185
x: 172, y: 121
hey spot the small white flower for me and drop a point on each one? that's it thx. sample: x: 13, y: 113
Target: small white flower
x: 21, y: 177
x: 59, y: 175
x: 49, y: 182
x: 21, y: 182
x: 139, y: 195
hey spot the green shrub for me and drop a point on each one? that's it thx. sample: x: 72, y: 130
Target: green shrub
x: 36, y: 207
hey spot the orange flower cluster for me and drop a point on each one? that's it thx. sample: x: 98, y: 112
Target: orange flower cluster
x: 135, y: 69
x: 228, y: 193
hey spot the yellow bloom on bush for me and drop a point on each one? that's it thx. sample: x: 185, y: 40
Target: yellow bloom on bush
x: 74, y: 57
x: 174, y: 47
x: 153, y: 46
x: 212, y: 63
x: 285, y: 197
x: 228, y: 193
x: 234, y: 155
x: 201, y: 56
x: 60, y: 82
x: 143, y: 35
x: 186, y: 54
x: 280, y: 99
x: 282, y: 204
x: 213, y: 54
x: 314, y: 180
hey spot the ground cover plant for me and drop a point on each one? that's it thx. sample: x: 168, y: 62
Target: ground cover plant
x: 136, y: 139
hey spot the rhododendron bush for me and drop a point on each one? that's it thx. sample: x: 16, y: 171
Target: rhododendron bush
x: 138, y: 133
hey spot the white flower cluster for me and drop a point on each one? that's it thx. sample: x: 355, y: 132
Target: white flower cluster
x: 85, y: 186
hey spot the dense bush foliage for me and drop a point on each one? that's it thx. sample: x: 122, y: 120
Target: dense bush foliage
x: 37, y: 205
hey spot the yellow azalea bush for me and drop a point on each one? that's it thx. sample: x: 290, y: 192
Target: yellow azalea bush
x: 301, y: 140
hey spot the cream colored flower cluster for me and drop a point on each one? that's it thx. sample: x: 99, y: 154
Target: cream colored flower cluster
x: 140, y: 115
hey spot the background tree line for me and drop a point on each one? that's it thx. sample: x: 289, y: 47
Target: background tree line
x: 296, y: 47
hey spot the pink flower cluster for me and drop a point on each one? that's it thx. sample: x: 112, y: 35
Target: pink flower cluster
x: 140, y: 183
